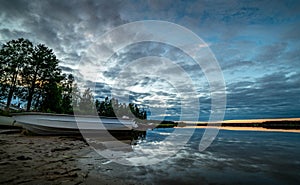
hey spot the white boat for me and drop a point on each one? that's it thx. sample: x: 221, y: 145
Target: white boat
x: 60, y: 124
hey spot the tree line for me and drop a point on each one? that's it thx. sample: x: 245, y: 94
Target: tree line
x: 32, y: 72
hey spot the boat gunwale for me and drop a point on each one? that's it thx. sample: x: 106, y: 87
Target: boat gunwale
x: 66, y: 115
x: 83, y: 121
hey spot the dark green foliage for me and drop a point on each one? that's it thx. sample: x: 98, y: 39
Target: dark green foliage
x: 57, y: 95
x: 284, y: 124
x: 67, y: 86
x: 52, y: 98
x: 41, y: 70
x: 112, y: 108
x: 106, y: 108
x: 3, y: 90
x: 146, y: 124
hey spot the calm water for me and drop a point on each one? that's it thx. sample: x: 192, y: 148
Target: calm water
x: 235, y: 157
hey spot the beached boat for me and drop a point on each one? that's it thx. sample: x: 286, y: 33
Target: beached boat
x: 59, y: 124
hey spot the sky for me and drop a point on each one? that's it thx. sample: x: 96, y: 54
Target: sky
x: 256, y: 45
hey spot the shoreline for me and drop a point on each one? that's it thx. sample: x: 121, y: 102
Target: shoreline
x: 232, y: 128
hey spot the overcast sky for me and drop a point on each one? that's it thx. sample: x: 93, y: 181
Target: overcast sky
x: 256, y: 43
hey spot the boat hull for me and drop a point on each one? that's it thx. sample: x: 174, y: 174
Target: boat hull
x: 57, y: 124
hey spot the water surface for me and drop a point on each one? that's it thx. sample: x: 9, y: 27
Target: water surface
x: 235, y: 157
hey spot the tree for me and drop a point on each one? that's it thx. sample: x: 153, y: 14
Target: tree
x: 76, y: 96
x: 86, y: 105
x: 113, y: 108
x: 67, y: 86
x: 14, y: 56
x: 52, y: 98
x: 3, y: 90
x: 97, y: 104
x: 42, y: 69
x: 32, y: 73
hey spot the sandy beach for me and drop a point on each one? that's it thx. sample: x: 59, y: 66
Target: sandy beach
x: 40, y: 160
x: 52, y: 160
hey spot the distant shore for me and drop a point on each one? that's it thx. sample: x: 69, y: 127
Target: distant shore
x: 268, y: 125
x: 245, y: 129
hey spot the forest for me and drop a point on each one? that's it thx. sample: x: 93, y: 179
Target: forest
x: 32, y: 73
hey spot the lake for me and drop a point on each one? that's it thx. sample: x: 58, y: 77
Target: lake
x: 234, y: 157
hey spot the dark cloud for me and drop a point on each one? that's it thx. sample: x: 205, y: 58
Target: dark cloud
x: 271, y: 53
x: 62, y: 25
x: 238, y: 65
x: 273, y: 95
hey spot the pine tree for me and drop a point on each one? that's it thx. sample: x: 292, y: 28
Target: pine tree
x: 15, y: 55
x: 42, y: 70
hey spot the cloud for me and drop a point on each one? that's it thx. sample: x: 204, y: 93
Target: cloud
x: 67, y: 27
x: 238, y: 65
x: 255, y: 42
x: 271, y: 53
x: 275, y: 94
